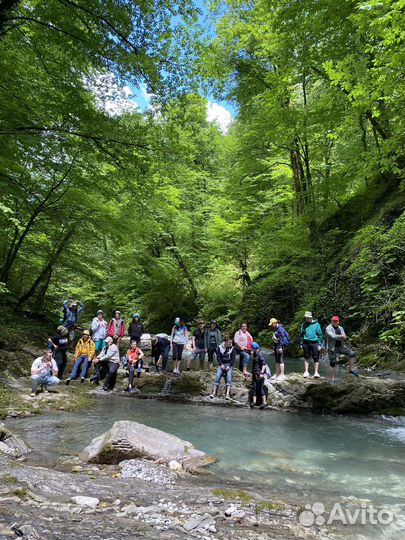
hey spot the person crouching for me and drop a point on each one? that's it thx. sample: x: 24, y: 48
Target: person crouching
x: 134, y: 356
x: 226, y: 360
x: 43, y: 372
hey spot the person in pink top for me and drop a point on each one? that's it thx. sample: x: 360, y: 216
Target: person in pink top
x: 116, y: 328
x: 243, y: 343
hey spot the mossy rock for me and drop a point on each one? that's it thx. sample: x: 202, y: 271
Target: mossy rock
x: 150, y: 383
x: 188, y: 383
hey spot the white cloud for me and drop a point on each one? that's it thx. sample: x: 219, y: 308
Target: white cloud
x: 218, y: 114
x: 112, y: 97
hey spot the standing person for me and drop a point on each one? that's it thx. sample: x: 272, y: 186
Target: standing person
x: 160, y: 350
x: 243, y: 343
x: 226, y: 360
x: 84, y: 354
x: 212, y: 342
x: 116, y: 328
x: 59, y: 346
x: 111, y: 355
x: 136, y: 329
x: 281, y: 340
x: 135, y: 355
x: 335, y: 335
x: 43, y: 372
x: 259, y: 364
x: 71, y: 313
x: 99, y: 330
x: 312, y: 338
x: 178, y: 338
x: 198, y: 345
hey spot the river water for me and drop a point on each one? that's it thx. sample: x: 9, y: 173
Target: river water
x: 300, y: 457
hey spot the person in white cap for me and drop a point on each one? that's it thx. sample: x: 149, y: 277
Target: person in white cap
x: 311, y: 341
x: 111, y: 355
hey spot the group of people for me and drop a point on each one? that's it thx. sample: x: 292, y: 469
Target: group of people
x: 100, y: 347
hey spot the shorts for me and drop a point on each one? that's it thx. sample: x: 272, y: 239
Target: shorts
x: 344, y: 351
x: 311, y: 349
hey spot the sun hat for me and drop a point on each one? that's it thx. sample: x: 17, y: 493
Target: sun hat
x: 85, y: 333
x: 273, y: 321
x: 308, y: 314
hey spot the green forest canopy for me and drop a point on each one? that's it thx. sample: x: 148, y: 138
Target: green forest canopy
x: 299, y: 205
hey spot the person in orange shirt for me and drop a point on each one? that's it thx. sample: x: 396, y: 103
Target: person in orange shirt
x: 134, y: 356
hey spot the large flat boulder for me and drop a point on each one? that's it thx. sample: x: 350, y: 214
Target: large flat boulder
x: 130, y: 440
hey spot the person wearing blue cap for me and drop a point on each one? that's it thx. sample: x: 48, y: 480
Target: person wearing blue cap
x: 136, y: 329
x: 259, y: 365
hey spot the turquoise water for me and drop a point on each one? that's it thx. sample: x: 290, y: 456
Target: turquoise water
x: 294, y: 455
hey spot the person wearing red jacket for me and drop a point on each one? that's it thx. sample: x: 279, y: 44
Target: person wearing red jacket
x: 116, y: 328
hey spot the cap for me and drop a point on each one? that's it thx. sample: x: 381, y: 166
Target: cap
x: 255, y: 346
x: 335, y: 318
x: 85, y: 333
x: 177, y: 320
x: 61, y: 328
x: 308, y: 314
x: 108, y: 339
x: 136, y: 315
x: 100, y: 311
x: 273, y: 321
x: 213, y: 322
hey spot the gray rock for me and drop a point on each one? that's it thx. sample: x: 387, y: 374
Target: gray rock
x: 200, y: 522
x: 129, y: 440
x: 91, y: 502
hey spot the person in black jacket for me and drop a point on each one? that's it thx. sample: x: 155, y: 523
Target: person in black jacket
x: 226, y: 360
x: 259, y: 364
x: 160, y: 351
x: 136, y: 329
x: 59, y: 346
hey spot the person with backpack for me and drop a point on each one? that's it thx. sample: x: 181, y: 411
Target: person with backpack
x: 281, y: 340
x: 226, y: 360
x: 311, y: 342
x: 116, y: 328
x: 335, y: 338
x: 99, y: 330
x: 178, y: 338
x: 136, y: 329
x: 198, y: 346
x: 259, y: 365
x: 212, y: 340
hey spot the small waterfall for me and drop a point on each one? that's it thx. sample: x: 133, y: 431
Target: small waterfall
x: 166, y: 387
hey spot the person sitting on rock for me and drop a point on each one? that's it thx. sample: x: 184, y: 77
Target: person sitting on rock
x: 134, y: 355
x: 110, y: 354
x: 226, y: 360
x: 311, y: 342
x: 335, y: 335
x: 43, y: 372
x: 160, y: 350
x: 259, y: 364
x: 136, y: 329
x: 281, y: 340
x: 84, y: 354
x: 59, y: 346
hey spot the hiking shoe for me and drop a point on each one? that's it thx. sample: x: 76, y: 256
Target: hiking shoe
x: 306, y: 375
x: 228, y: 397
x: 188, y: 369
x: 82, y: 380
x: 67, y: 382
x: 333, y: 382
x: 262, y: 406
x: 274, y: 377
x: 212, y: 396
x: 33, y: 394
x: 252, y: 405
x: 106, y: 389
x: 355, y: 373
x: 316, y: 375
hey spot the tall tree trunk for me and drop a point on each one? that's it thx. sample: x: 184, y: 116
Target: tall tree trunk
x: 45, y: 274
x: 180, y: 261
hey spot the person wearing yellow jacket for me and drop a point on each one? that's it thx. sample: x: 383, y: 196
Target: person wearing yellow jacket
x: 84, y: 354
